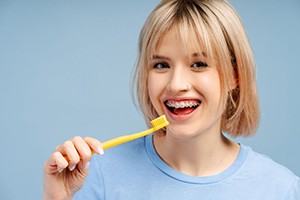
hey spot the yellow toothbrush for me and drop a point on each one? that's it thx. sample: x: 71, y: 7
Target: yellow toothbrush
x: 157, y: 124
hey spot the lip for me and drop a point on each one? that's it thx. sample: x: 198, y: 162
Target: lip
x: 184, y: 117
x: 181, y: 98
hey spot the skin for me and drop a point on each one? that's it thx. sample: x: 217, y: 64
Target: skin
x: 193, y: 143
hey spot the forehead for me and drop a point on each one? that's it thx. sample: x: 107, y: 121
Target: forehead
x: 187, y: 39
x: 172, y: 42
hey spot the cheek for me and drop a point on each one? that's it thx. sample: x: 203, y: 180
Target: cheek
x: 150, y: 86
x: 211, y: 86
x: 155, y: 89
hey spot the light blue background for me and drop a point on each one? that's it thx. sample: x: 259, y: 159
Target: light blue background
x: 65, y: 70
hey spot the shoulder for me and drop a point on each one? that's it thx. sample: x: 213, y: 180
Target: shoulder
x: 123, y: 155
x: 265, y: 170
x: 264, y: 164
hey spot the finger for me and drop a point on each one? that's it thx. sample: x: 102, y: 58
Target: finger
x: 56, y: 163
x: 68, y: 150
x: 95, y: 145
x: 83, y: 150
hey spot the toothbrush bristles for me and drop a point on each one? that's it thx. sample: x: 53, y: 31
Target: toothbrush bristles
x: 160, y: 121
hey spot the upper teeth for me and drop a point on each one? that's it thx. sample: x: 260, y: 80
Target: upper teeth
x: 182, y: 104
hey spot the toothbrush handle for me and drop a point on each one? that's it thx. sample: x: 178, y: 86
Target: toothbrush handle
x: 122, y: 139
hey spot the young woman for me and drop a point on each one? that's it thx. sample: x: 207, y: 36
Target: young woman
x: 195, y: 66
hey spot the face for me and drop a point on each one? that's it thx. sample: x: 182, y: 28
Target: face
x: 185, y: 88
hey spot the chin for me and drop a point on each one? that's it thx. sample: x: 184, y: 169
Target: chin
x: 182, y: 131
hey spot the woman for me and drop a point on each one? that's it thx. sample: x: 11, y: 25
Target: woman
x: 195, y: 66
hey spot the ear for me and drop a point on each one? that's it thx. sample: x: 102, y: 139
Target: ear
x: 233, y: 83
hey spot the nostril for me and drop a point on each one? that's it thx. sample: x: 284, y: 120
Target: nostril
x: 173, y: 87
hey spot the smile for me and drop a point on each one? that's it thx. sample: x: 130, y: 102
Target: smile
x: 182, y: 107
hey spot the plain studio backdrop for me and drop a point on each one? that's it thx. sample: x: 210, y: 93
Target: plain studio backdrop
x: 65, y: 69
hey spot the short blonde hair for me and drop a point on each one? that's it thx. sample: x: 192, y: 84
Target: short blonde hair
x: 218, y: 31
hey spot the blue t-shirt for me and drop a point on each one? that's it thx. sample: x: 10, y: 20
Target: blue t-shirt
x: 134, y: 171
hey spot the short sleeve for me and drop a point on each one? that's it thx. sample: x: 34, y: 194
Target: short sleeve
x: 93, y: 187
x: 294, y: 193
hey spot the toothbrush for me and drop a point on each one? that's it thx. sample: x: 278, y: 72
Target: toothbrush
x: 157, y: 124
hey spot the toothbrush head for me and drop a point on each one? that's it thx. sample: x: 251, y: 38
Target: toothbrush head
x: 160, y: 122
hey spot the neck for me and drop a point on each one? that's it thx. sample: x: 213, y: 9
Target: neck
x: 202, y: 155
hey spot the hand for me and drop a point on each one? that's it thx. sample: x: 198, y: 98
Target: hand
x: 67, y: 168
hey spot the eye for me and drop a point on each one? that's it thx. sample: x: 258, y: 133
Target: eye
x: 199, y: 65
x: 161, y: 65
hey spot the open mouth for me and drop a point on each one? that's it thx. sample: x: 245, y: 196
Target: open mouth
x: 182, y: 107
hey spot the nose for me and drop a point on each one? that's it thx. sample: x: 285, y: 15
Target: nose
x: 179, y: 80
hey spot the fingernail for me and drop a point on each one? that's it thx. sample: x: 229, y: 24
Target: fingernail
x: 100, y: 151
x: 72, y: 168
x: 87, y: 165
x: 60, y: 170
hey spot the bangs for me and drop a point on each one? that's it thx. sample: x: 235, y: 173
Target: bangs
x: 191, y: 30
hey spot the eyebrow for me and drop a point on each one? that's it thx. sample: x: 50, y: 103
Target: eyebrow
x: 159, y: 57
x: 199, y: 54
x: 194, y: 55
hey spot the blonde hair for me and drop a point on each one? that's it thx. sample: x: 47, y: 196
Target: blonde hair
x: 218, y: 31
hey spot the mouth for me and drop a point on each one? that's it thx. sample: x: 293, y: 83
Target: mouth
x: 182, y: 107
